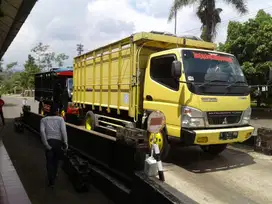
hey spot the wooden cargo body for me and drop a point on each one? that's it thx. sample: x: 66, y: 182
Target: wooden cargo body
x: 112, y: 76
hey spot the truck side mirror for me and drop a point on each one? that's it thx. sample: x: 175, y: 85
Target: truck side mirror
x: 176, y: 69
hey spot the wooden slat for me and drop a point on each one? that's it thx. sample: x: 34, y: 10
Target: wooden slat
x: 119, y: 78
x: 109, y: 81
x: 101, y: 81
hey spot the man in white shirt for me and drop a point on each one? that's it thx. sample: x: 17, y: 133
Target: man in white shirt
x: 53, y: 136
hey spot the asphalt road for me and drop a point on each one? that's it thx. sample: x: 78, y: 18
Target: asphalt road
x: 239, y: 175
x: 27, y: 155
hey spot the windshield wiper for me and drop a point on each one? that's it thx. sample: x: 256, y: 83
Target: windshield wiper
x: 234, y: 83
x: 210, y: 81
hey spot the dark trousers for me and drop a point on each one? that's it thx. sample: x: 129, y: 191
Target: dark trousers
x: 52, y: 159
x: 2, y: 117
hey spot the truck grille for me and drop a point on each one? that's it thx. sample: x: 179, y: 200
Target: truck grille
x: 224, y: 117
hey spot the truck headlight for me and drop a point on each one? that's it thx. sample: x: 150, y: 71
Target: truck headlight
x: 192, y: 117
x: 246, y: 116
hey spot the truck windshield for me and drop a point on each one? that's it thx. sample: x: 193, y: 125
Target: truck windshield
x: 70, y: 84
x: 203, y: 66
x: 212, y: 73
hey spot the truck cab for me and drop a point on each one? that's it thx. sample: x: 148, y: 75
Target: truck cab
x: 203, y: 94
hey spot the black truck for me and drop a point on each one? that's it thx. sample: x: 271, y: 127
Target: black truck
x: 54, y: 87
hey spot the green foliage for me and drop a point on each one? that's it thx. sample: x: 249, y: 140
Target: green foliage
x: 7, y: 79
x: 45, y: 58
x: 60, y: 58
x: 40, y: 59
x: 27, y: 76
x: 10, y: 66
x: 251, y: 43
x: 207, y: 13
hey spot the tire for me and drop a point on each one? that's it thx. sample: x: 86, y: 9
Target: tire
x: 163, y: 144
x: 89, y: 121
x: 214, y: 149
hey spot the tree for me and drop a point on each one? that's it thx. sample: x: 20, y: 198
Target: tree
x: 19, y: 80
x: 7, y: 78
x: 251, y: 43
x: 60, y: 59
x: 30, y: 69
x: 10, y: 66
x: 43, y: 57
x: 46, y: 59
x: 207, y: 13
x: 79, y: 48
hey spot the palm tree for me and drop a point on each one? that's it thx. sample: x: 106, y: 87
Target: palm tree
x: 208, y: 14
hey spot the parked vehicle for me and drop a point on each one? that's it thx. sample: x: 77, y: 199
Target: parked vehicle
x: 54, y: 87
x: 203, y: 93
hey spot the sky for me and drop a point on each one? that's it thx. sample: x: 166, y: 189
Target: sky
x: 94, y: 23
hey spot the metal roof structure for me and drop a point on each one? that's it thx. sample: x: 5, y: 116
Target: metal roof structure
x: 13, y: 14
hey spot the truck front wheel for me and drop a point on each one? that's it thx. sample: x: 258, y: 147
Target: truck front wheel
x: 214, y: 149
x: 161, y: 140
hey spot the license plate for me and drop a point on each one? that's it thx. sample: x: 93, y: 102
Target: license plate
x: 228, y: 135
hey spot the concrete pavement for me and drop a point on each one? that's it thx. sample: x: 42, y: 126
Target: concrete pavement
x: 238, y: 175
x: 27, y: 155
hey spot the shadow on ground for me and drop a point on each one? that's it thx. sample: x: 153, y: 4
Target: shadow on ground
x: 28, y: 158
x: 260, y: 114
x: 195, y: 160
x: 10, y: 105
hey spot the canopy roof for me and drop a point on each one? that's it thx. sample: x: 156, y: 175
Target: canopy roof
x: 15, y: 13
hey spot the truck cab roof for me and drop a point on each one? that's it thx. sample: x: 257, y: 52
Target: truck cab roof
x: 61, y: 71
x: 210, y: 51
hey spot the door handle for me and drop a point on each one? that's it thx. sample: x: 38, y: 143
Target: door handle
x: 148, y: 98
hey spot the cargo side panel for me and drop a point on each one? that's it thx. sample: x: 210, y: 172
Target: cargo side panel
x: 106, y: 81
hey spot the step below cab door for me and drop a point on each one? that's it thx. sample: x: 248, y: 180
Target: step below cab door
x: 162, y: 90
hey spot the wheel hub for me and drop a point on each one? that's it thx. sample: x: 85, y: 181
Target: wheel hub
x: 158, y: 139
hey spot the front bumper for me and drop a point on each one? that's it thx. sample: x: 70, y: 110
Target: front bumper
x: 212, y: 136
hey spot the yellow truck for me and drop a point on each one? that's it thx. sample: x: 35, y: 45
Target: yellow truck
x: 202, y: 93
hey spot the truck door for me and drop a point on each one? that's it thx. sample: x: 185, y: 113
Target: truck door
x: 162, y: 91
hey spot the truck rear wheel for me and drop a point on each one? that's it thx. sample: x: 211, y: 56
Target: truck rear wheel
x: 214, y: 149
x: 161, y: 140
x: 90, y: 121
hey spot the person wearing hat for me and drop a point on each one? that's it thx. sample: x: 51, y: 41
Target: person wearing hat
x: 54, y: 137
